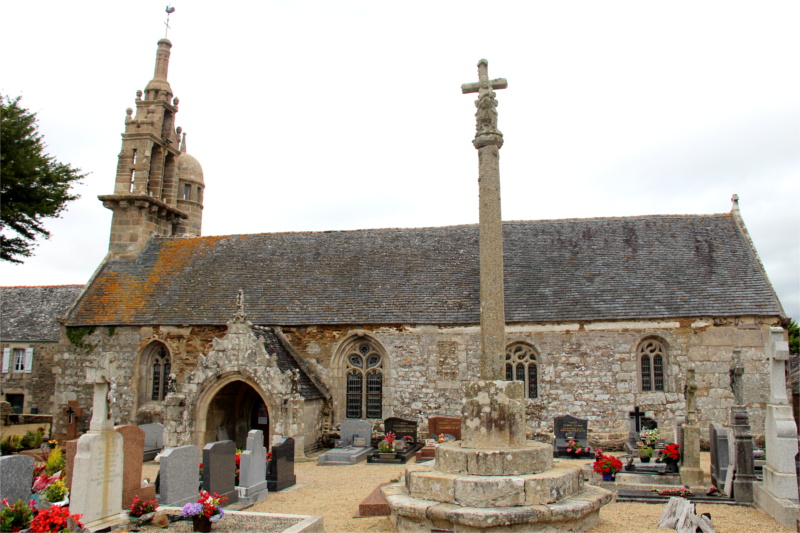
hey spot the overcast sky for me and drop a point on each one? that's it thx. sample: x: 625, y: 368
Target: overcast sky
x: 320, y: 115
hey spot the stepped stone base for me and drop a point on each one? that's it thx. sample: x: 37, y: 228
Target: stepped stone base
x: 497, y: 490
x: 786, y: 512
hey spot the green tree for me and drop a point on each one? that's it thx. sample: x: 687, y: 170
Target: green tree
x: 33, y: 185
x: 794, y: 337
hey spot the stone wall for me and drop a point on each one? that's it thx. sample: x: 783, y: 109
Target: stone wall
x: 39, y: 384
x: 589, y: 370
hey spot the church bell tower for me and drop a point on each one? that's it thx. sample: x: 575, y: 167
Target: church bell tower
x: 159, y: 187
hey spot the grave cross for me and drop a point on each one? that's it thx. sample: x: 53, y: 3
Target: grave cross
x: 690, y: 391
x: 737, y: 378
x: 105, y: 385
x: 637, y: 416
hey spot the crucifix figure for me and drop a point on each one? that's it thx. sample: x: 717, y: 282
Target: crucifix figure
x: 486, y: 124
x: 690, y: 392
x: 105, y: 385
x: 488, y: 141
x: 736, y: 374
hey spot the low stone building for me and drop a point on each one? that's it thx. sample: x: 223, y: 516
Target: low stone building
x: 29, y: 338
x: 295, y: 332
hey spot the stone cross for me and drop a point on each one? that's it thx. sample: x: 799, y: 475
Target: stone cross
x: 488, y: 141
x: 690, y: 391
x: 778, y: 354
x: 105, y: 385
x: 737, y: 378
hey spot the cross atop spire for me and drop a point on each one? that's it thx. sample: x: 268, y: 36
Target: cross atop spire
x: 170, y: 11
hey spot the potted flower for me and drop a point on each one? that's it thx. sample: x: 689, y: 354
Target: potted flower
x: 55, y: 519
x: 645, y: 453
x: 607, y: 465
x: 55, y: 494
x: 387, y: 447
x: 671, y: 455
x: 649, y: 437
x: 207, y: 509
x: 141, y: 512
x: 17, y: 516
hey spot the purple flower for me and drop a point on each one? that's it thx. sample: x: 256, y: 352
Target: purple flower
x: 192, y: 509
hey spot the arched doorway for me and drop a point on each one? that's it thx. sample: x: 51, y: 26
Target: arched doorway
x: 233, y: 410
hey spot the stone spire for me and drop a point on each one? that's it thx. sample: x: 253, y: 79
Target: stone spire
x: 152, y: 196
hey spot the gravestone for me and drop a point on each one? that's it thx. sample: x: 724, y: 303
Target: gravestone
x: 153, y: 440
x: 253, y: 469
x: 219, y: 469
x: 281, y: 468
x: 742, y: 460
x: 73, y: 412
x: 691, y: 473
x: 132, y: 446
x: 636, y: 417
x: 439, y: 427
x: 16, y: 477
x: 444, y: 425
x: 179, y: 476
x: 70, y: 449
x: 777, y: 495
x: 401, y: 428
x: 98, y: 468
x: 720, y: 460
x: 353, y: 446
x: 567, y: 428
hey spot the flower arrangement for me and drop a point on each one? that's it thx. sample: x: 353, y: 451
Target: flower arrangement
x: 577, y: 449
x: 387, y: 444
x: 16, y: 517
x: 607, y: 464
x: 55, y: 519
x: 670, y: 454
x: 43, y: 481
x: 649, y: 437
x: 683, y: 492
x: 207, y: 505
x: 139, y: 508
x: 56, y: 491
x: 56, y: 461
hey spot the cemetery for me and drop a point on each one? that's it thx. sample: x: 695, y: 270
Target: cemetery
x: 234, y: 441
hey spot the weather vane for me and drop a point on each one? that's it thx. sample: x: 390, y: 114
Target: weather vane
x: 170, y: 10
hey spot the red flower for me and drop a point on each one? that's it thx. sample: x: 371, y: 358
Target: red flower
x: 607, y: 464
x: 53, y: 519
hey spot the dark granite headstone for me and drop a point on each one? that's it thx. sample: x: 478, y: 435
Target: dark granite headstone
x: 280, y: 471
x: 402, y: 428
x: 720, y: 460
x: 567, y: 428
x: 219, y: 469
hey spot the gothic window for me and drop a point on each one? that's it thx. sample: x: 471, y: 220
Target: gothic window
x: 364, y: 382
x: 522, y: 365
x: 652, y: 360
x: 160, y: 367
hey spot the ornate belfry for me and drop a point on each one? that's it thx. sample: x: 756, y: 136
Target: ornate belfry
x: 159, y: 187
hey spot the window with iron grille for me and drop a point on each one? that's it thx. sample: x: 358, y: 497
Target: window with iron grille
x: 652, y: 357
x: 364, y: 396
x: 522, y: 365
x: 160, y: 368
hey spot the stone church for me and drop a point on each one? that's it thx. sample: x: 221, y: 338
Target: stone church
x: 293, y: 333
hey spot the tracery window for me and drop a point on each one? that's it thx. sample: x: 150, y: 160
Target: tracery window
x: 160, y: 367
x: 364, y: 382
x: 523, y: 365
x: 652, y: 360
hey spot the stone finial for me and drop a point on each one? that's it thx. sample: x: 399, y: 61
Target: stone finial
x: 240, y: 317
x: 139, y: 94
x: 735, y: 202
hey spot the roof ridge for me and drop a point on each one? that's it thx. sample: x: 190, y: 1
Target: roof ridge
x: 39, y: 286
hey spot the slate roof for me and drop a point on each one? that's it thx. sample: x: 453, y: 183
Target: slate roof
x: 29, y: 314
x: 555, y: 270
x: 308, y: 390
